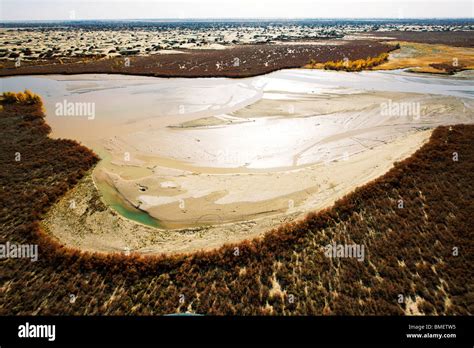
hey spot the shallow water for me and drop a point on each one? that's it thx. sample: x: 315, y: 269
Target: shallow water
x: 388, y: 81
x: 115, y: 95
x: 121, y: 100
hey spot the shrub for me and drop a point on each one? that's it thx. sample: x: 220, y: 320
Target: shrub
x: 356, y: 65
x: 25, y: 98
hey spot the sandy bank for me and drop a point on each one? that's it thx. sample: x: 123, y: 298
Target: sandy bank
x: 95, y: 227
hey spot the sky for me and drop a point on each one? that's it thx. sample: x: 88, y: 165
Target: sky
x: 198, y: 9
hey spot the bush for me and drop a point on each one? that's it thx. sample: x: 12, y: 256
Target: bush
x: 356, y: 65
x: 25, y: 98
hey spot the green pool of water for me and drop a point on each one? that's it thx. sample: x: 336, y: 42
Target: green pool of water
x: 113, y: 199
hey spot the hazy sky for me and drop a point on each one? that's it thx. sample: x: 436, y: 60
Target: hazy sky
x: 141, y: 9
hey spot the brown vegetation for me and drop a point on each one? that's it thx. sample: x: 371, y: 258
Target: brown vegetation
x: 448, y: 67
x: 409, y: 251
x: 253, y: 60
x: 26, y: 98
x: 452, y: 38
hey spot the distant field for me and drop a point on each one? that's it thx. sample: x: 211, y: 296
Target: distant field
x: 430, y: 58
x: 238, y: 61
x: 451, y: 38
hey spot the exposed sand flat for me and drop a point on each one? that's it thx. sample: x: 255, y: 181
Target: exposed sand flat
x: 106, y: 231
x: 218, y: 161
x: 261, y: 167
x: 193, y: 198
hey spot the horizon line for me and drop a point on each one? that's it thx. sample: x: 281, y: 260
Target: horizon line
x: 232, y: 19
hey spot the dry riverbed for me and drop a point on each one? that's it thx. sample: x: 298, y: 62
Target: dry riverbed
x: 242, y: 157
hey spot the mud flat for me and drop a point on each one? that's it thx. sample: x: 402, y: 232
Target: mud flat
x: 204, y: 162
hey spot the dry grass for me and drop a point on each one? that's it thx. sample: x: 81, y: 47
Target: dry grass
x: 24, y: 98
x: 430, y: 58
x: 350, y: 65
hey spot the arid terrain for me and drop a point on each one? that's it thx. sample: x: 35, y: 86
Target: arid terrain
x: 236, y: 61
x: 410, y: 248
x: 210, y: 50
x: 205, y: 167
